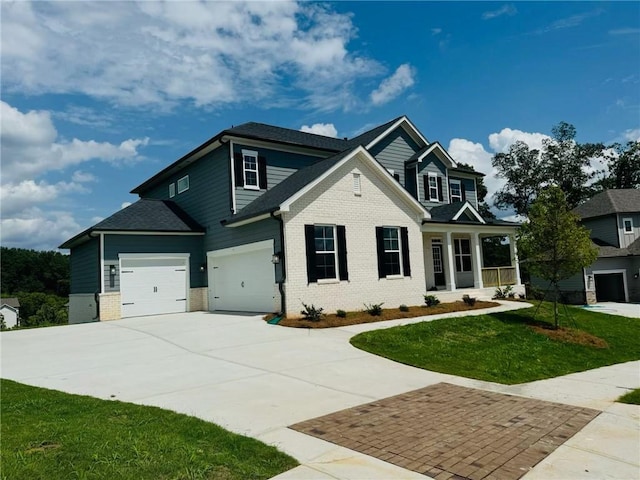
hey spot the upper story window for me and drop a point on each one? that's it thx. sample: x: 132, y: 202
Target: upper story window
x: 393, y: 251
x: 183, y: 184
x: 462, y: 249
x: 326, y: 253
x: 456, y: 191
x: 172, y: 190
x: 250, y: 164
x: 627, y: 225
x: 433, y: 188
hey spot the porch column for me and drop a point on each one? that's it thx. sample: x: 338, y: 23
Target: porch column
x: 513, y: 248
x: 476, y: 256
x: 451, y: 281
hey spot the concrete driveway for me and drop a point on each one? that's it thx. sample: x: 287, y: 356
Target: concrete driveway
x: 256, y: 379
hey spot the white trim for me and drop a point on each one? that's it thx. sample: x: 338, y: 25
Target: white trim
x: 147, y: 256
x: 357, y: 184
x: 334, y: 230
x: 172, y: 190
x: 431, y: 175
x: 102, y: 263
x: 376, y: 166
x: 254, y: 154
x: 468, y: 206
x: 624, y: 229
x: 247, y: 247
x: 453, y: 182
x: 412, y: 131
x: 278, y: 146
x: 418, y: 183
x: 444, y: 155
x: 186, y: 177
x: 250, y: 220
x: 233, y: 178
x: 606, y: 272
x: 136, y: 232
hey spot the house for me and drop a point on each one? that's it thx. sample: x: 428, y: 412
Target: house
x: 613, y: 219
x: 262, y: 218
x: 10, y: 312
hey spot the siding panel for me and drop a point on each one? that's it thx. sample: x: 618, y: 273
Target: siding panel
x: 394, y: 150
x: 85, y: 267
x: 431, y: 164
x: 627, y: 239
x: 604, y: 228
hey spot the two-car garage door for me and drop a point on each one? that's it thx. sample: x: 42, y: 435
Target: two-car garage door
x: 242, y: 278
x: 152, y: 286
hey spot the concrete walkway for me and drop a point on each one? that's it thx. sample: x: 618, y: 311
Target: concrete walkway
x: 257, y: 379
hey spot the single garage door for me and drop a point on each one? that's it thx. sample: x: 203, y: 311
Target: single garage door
x: 609, y: 287
x: 152, y: 286
x: 242, y: 278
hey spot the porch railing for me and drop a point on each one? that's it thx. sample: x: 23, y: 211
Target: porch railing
x: 498, y: 276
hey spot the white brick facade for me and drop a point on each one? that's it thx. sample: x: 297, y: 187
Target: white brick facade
x: 333, y: 202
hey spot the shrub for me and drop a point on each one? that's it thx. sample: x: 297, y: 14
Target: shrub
x: 341, y: 313
x: 433, y: 289
x: 431, y: 300
x: 312, y: 313
x: 375, y: 309
x: 404, y: 308
x: 471, y: 301
x: 502, y: 293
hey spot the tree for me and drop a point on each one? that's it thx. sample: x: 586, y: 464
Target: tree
x: 522, y: 168
x: 562, y: 162
x: 34, y: 271
x: 624, y: 166
x: 552, y: 243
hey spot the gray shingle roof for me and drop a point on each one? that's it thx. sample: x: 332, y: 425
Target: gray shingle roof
x: 610, y: 202
x: 145, y: 215
x: 446, y: 212
x: 263, y: 131
x: 13, y: 302
x: 271, y: 200
x: 365, y: 138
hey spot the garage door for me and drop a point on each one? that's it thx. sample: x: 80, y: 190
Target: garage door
x: 609, y: 287
x: 153, y: 286
x: 242, y: 278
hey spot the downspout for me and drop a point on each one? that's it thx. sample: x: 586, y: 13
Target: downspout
x: 283, y: 276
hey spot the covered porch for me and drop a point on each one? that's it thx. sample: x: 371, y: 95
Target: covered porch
x: 470, y: 259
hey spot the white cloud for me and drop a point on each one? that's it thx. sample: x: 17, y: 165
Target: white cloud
x: 507, y: 9
x: 436, y: 31
x: 632, y: 135
x: 162, y: 53
x: 125, y: 204
x: 394, y: 85
x: 501, y: 141
x: 83, y: 177
x: 39, y: 230
x: 326, y: 129
x: 26, y: 194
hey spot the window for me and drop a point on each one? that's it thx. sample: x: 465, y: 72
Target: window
x: 172, y: 190
x: 456, y: 191
x: 462, y: 254
x: 627, y: 224
x: 326, y: 252
x: 393, y: 251
x: 183, y: 184
x: 433, y: 187
x: 250, y: 164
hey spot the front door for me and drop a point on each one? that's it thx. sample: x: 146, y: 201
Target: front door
x: 438, y: 267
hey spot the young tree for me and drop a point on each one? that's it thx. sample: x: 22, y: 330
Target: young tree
x: 552, y: 243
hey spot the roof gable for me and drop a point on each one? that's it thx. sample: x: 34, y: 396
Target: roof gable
x: 12, y: 302
x: 439, y: 151
x: 456, y: 212
x: 372, y: 137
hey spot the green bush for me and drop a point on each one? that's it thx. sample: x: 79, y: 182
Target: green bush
x: 431, y: 300
x: 502, y: 293
x: 341, y: 313
x: 404, y: 308
x: 312, y: 313
x: 375, y: 309
x: 471, y: 301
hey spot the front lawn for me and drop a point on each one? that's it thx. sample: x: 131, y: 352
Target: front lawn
x: 509, y: 347
x: 632, y: 397
x: 50, y: 435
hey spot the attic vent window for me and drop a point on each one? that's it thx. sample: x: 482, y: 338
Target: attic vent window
x: 356, y: 184
x: 183, y: 184
x: 172, y: 190
x: 628, y: 225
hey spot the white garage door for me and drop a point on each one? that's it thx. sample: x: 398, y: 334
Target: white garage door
x: 152, y: 286
x: 242, y: 278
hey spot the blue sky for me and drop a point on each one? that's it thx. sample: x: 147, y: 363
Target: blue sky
x: 98, y: 96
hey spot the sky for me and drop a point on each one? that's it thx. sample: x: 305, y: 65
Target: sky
x: 96, y: 97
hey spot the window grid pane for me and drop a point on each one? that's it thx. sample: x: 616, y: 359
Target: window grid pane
x: 325, y: 251
x: 250, y: 170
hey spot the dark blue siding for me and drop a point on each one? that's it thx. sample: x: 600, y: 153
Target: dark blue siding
x: 432, y: 164
x: 85, y: 267
x: 395, y: 149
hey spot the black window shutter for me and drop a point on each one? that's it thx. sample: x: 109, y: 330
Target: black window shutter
x: 440, y: 197
x: 425, y: 181
x: 238, y: 167
x: 464, y: 193
x: 380, y: 245
x: 262, y: 173
x: 406, y: 265
x: 309, y: 236
x: 342, y: 253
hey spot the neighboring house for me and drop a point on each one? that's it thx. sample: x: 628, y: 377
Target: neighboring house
x: 10, y: 311
x: 261, y: 218
x: 613, y: 218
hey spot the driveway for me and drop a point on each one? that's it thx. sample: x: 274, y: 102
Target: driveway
x: 257, y: 379
x: 631, y: 310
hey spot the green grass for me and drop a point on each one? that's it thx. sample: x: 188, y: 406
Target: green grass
x: 51, y: 435
x: 633, y: 397
x: 503, y: 347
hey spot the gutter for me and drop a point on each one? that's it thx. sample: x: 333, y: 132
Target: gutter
x: 283, y: 276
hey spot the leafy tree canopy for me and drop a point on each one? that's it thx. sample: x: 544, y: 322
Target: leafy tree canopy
x: 34, y: 271
x: 624, y: 166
